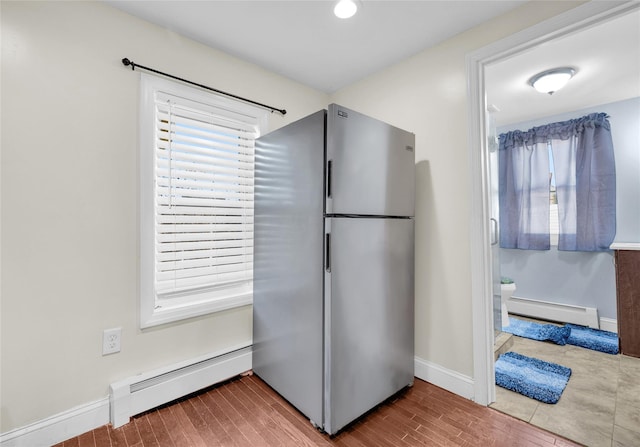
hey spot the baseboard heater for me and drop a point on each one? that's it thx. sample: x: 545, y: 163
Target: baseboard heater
x: 545, y: 310
x: 143, y: 392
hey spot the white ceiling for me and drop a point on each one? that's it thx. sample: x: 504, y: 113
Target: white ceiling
x: 607, y: 59
x: 304, y: 41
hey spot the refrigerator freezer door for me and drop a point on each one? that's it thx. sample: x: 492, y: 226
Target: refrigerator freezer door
x: 288, y: 247
x: 369, y: 318
x: 370, y: 166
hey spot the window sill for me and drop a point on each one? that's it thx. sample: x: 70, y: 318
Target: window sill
x: 166, y: 313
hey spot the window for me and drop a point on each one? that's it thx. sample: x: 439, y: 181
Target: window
x: 583, y: 176
x: 196, y: 201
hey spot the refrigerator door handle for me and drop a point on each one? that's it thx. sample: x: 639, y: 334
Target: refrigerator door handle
x: 327, y: 259
x: 329, y: 169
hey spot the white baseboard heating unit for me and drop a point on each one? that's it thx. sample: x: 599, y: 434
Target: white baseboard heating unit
x: 143, y: 392
x: 545, y: 310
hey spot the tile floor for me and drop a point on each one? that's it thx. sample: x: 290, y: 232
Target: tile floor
x: 600, y: 405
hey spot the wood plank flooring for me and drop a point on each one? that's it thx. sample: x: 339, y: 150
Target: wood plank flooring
x: 246, y: 412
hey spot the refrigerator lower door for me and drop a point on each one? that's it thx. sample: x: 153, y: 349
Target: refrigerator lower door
x: 369, y: 314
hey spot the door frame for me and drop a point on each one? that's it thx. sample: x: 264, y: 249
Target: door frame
x: 569, y: 22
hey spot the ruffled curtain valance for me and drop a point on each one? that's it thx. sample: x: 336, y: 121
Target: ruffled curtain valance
x: 554, y: 131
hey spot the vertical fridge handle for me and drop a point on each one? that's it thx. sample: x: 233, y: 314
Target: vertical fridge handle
x: 329, y: 169
x: 327, y: 247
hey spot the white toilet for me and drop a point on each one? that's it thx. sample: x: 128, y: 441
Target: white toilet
x: 507, y: 291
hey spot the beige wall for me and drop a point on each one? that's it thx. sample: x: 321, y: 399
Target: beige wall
x: 69, y: 200
x: 69, y: 185
x: 427, y: 94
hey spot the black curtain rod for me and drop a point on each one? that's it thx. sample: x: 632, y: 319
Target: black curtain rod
x: 126, y: 62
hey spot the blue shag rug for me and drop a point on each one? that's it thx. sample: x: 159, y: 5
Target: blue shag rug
x: 595, y: 339
x: 531, y: 377
x: 572, y: 334
x: 537, y: 331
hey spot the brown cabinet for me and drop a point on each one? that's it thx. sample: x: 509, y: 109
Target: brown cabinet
x: 628, y: 296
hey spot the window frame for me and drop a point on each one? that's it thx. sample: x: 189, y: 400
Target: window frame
x: 153, y: 310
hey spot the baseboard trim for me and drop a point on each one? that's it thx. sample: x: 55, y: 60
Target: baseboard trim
x: 60, y: 427
x: 609, y: 324
x: 444, y: 378
x: 87, y: 417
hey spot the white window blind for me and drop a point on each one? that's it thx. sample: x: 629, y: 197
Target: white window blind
x: 203, y: 164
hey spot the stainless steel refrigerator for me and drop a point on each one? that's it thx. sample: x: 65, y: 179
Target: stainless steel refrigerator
x: 333, y: 312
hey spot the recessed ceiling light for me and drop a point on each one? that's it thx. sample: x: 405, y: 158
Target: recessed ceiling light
x: 345, y: 9
x: 551, y: 81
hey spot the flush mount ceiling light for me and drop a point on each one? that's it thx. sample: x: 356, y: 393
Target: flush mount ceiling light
x: 551, y: 81
x: 345, y: 9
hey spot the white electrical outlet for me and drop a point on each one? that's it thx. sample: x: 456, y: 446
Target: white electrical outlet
x: 111, y: 341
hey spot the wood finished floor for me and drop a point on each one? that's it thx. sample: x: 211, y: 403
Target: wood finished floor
x: 247, y: 412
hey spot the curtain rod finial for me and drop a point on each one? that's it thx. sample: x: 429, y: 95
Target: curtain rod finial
x: 126, y: 62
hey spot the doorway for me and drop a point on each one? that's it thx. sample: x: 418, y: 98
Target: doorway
x: 573, y: 21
